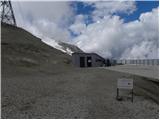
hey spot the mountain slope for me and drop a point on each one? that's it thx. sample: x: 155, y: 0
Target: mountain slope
x: 22, y: 50
x: 62, y: 46
x: 69, y: 48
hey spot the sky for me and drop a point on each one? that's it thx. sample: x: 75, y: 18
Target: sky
x: 112, y: 29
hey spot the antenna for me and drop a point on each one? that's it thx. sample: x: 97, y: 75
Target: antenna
x: 7, y: 15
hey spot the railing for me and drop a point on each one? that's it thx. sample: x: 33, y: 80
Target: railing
x: 137, y: 61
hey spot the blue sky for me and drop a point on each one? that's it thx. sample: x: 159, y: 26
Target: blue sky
x: 142, y: 7
x: 81, y: 8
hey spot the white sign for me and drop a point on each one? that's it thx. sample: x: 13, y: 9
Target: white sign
x: 125, y: 83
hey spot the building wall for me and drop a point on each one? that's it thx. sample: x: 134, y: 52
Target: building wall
x: 95, y: 61
x: 95, y: 58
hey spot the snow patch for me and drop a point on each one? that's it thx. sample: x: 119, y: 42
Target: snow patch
x: 69, y: 51
x: 54, y: 43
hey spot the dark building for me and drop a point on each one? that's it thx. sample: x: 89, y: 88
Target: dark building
x: 107, y: 62
x: 87, y: 60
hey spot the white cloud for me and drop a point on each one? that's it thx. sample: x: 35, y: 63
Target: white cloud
x: 105, y: 8
x: 111, y: 37
x: 145, y: 34
x: 146, y: 49
x: 51, y: 30
x: 52, y: 11
x: 49, y: 18
x: 79, y: 26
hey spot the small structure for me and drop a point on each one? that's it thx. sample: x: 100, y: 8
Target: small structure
x: 124, y: 83
x: 87, y: 60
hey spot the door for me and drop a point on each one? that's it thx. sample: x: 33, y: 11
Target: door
x: 89, y: 62
x: 82, y: 62
x: 108, y: 62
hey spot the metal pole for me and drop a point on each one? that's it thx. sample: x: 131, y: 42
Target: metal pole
x: 117, y: 93
x: 132, y: 95
x: 12, y: 13
x: 2, y: 15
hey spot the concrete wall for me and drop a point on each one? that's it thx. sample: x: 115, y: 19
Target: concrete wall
x: 95, y: 58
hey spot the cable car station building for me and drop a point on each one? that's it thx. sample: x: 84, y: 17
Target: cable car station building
x: 87, y: 60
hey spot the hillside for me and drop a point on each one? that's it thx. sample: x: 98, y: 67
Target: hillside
x: 22, y: 50
x: 70, y: 48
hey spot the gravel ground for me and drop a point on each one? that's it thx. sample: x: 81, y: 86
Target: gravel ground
x: 148, y: 71
x: 76, y: 93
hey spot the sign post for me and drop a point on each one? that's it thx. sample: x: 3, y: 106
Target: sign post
x: 124, y: 83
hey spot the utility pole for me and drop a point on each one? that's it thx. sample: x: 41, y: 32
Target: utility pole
x: 7, y: 14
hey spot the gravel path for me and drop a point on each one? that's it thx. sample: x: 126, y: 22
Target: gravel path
x: 78, y: 93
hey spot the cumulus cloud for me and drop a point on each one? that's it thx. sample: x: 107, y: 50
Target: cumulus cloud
x: 111, y: 37
x: 145, y: 34
x: 79, y: 26
x: 146, y: 49
x: 41, y: 18
x: 105, y: 8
